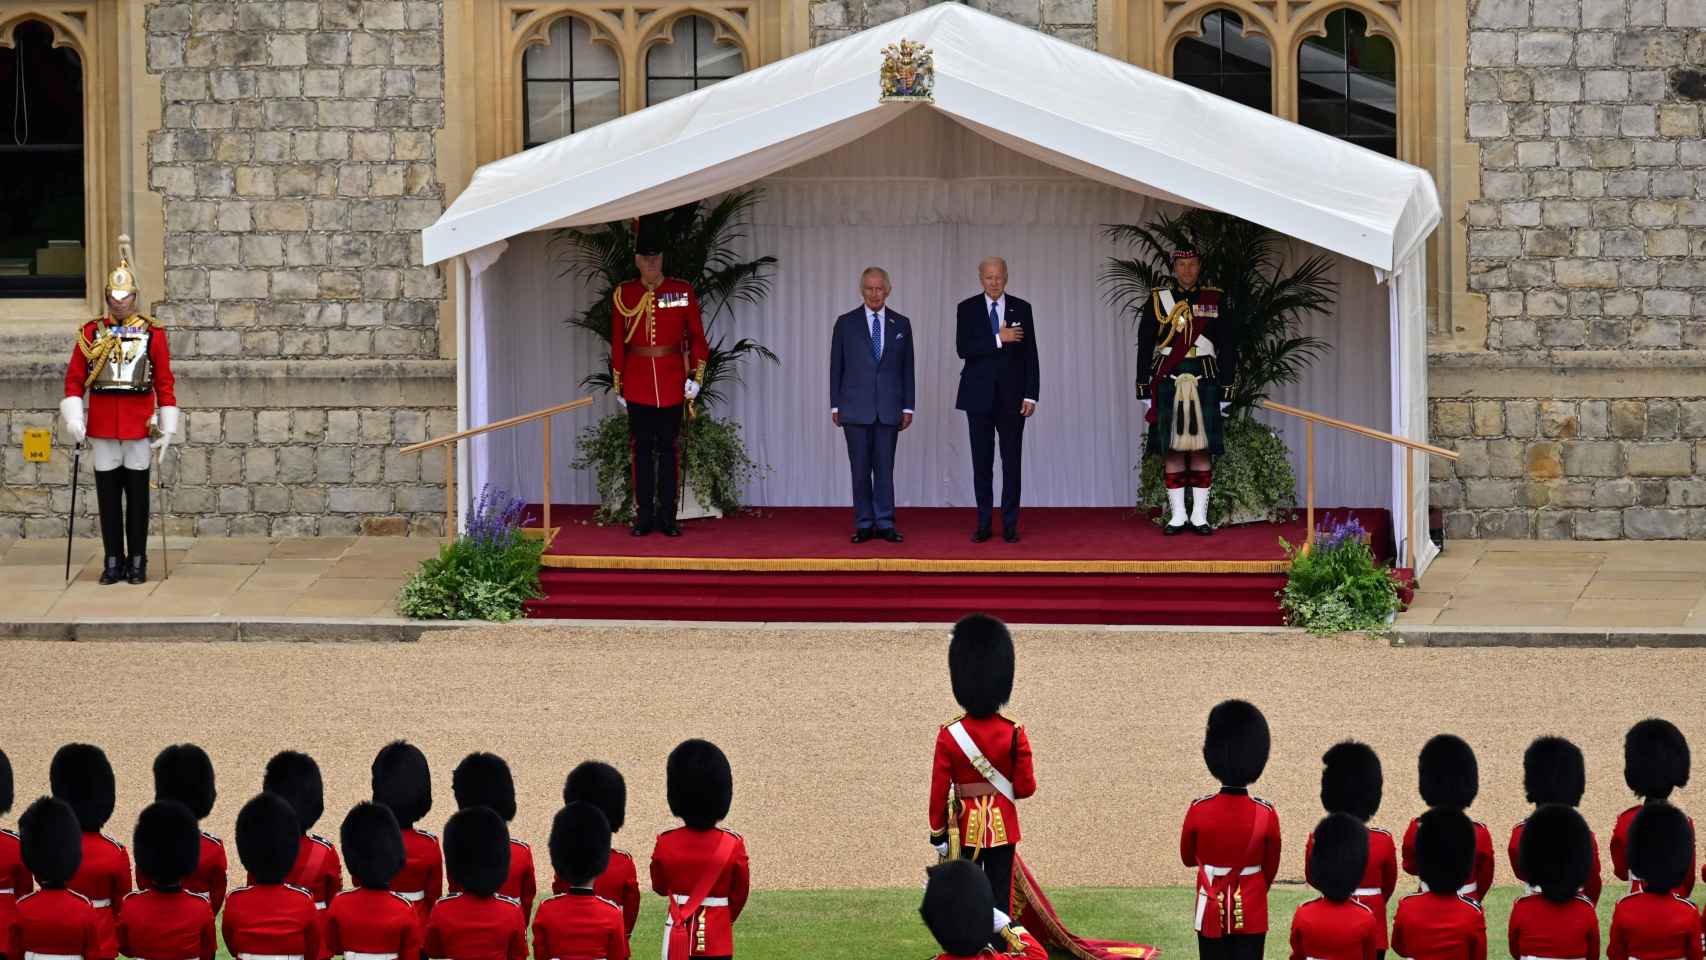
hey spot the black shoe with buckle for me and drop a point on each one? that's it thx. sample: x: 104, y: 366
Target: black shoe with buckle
x: 114, y: 570
x: 138, y: 569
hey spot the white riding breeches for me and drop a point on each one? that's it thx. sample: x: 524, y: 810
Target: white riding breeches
x: 112, y: 454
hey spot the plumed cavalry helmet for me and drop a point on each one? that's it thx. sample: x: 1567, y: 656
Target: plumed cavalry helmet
x: 1338, y: 856
x: 958, y: 907
x: 1655, y: 759
x: 1447, y: 774
x: 1351, y: 781
x: 1235, y: 747
x: 81, y: 776
x: 1556, y: 851
x: 980, y: 664
x: 1553, y: 772
x: 121, y: 282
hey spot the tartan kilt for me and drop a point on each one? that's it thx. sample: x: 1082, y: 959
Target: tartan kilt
x: 1208, y: 391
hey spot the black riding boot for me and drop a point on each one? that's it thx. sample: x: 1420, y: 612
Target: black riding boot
x: 136, y: 523
x: 109, y: 497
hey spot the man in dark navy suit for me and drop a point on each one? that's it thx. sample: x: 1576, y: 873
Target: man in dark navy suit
x: 871, y: 393
x: 997, y: 339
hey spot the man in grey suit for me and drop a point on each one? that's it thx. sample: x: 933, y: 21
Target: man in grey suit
x: 871, y: 393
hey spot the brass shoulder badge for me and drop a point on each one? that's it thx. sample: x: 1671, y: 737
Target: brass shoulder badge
x: 909, y: 72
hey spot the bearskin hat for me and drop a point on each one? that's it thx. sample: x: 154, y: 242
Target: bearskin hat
x: 1553, y: 772
x: 580, y: 843
x: 183, y: 772
x: 372, y: 844
x: 5, y: 783
x: 268, y: 835
x: 167, y: 841
x: 1655, y: 759
x: 1661, y: 847
x: 1338, y: 856
x: 483, y: 780
x: 403, y: 781
x: 959, y: 907
x: 1447, y: 774
x: 1556, y: 851
x: 1351, y: 781
x: 476, y: 850
x: 296, y: 777
x: 650, y: 234
x: 601, y: 785
x: 1235, y: 748
x: 1445, y: 849
x: 980, y: 664
x: 699, y: 784
x: 51, y: 842
x: 81, y: 776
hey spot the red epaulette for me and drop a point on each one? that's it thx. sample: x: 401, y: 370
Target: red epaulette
x: 1266, y: 803
x: 510, y: 900
x: 1380, y: 830
x: 206, y: 898
x: 730, y: 833
x: 1206, y: 796
x: 402, y: 899
x: 609, y: 903
x: 449, y: 896
x: 1479, y: 909
x: 617, y: 850
x: 426, y: 833
x: 9, y: 833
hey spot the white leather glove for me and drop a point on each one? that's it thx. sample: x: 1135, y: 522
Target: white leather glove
x: 1001, y: 920
x: 691, y: 389
x: 621, y: 401
x: 1142, y: 409
x: 168, y: 421
x: 941, y: 849
x: 71, y: 411
x: 1224, y: 406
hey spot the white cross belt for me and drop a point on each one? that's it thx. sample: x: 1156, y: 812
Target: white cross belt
x: 413, y: 896
x: 682, y: 899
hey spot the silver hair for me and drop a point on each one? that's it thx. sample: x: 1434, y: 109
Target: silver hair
x: 986, y: 261
x: 879, y: 271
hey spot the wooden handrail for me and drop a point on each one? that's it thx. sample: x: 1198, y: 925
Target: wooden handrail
x: 514, y: 421
x: 1358, y: 428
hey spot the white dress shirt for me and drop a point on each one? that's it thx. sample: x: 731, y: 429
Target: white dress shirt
x: 882, y: 316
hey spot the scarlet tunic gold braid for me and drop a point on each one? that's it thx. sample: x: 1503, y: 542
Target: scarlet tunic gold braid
x: 657, y: 342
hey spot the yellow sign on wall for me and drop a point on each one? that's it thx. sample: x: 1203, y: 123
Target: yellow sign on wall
x: 38, y: 445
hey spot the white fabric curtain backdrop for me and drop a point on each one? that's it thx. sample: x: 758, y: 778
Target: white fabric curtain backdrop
x: 926, y: 199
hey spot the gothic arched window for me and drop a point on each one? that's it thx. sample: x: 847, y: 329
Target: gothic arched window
x: 42, y: 194
x: 1227, y: 61
x: 692, y: 59
x: 570, y: 84
x: 1347, y: 84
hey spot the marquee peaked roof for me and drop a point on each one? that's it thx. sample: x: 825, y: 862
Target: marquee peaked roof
x: 1073, y: 108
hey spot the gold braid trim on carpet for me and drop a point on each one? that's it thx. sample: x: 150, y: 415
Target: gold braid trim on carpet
x: 905, y: 565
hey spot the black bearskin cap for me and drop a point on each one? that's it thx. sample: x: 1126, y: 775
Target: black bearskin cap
x: 1556, y: 851
x: 1447, y: 773
x: 1655, y: 759
x: 980, y: 664
x: 81, y: 776
x: 1661, y: 847
x: 183, y: 772
x: 372, y: 844
x: 403, y: 782
x: 699, y: 783
x: 268, y: 835
x: 483, y: 780
x: 1351, y: 781
x: 51, y: 842
x: 476, y: 850
x: 167, y: 841
x: 1445, y: 849
x: 1338, y: 856
x: 5, y: 783
x: 296, y: 777
x: 1553, y: 772
x: 601, y: 785
x: 959, y: 907
x: 650, y: 232
x: 1235, y: 747
x: 580, y: 843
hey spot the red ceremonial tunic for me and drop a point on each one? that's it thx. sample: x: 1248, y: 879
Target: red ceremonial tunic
x: 15, y: 880
x: 520, y: 886
x: 1653, y: 926
x: 653, y: 352
x: 166, y: 925
x: 210, y: 875
x: 680, y: 860
x: 123, y: 416
x: 1480, y: 880
x: 1591, y: 889
x: 579, y: 925
x: 271, y: 920
x: 619, y: 883
x: 1233, y: 839
x: 466, y: 927
x: 376, y: 922
x: 1324, y: 930
x: 421, y: 881
x: 56, y: 921
x: 103, y: 878
x: 1439, y: 926
x: 1541, y: 928
x: 1379, y: 877
x: 1033, y: 950
x: 987, y: 818
x: 1620, y: 853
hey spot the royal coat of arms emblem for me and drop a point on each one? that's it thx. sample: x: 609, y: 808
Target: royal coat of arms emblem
x: 909, y: 72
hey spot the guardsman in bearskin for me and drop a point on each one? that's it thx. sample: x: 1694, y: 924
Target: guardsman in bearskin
x: 123, y: 363
x: 1655, y: 763
x: 1556, y: 855
x: 1336, y: 925
x: 982, y: 766
x: 402, y: 781
x: 699, y: 868
x: 601, y: 785
x: 296, y: 777
x: 1439, y: 923
x: 1657, y: 921
x: 15, y: 878
x: 81, y: 776
x: 477, y: 922
x: 269, y: 917
x: 1449, y: 778
x: 483, y: 780
x: 1186, y: 360
x: 657, y: 362
x: 1553, y: 772
x: 167, y: 921
x: 371, y: 920
x: 55, y: 920
x: 578, y: 924
x: 184, y: 773
x: 1232, y: 837
x: 1352, y: 783
x: 960, y: 911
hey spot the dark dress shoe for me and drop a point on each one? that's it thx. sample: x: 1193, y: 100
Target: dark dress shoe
x: 1010, y: 535
x: 138, y: 570
x: 640, y: 529
x: 981, y: 534
x: 1202, y: 530
x: 891, y: 535
x: 670, y: 530
x: 862, y: 534
x: 1171, y: 530
x: 114, y: 571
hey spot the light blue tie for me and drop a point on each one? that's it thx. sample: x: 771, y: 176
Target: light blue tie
x: 876, y: 338
x: 994, y: 319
